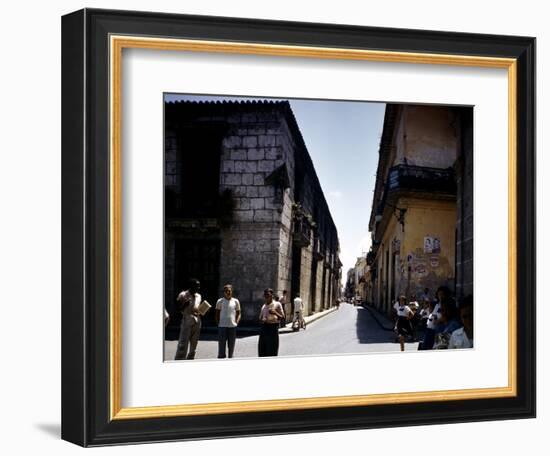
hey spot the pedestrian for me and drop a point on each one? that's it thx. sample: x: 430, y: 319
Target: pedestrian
x: 424, y: 314
x: 188, y: 302
x: 450, y: 322
x: 434, y: 320
x: 415, y: 321
x: 298, y: 318
x: 425, y: 295
x: 431, y: 323
x: 284, y: 304
x: 228, y: 316
x: 270, y: 315
x: 403, y: 323
x: 442, y: 293
x: 413, y: 303
x: 464, y: 337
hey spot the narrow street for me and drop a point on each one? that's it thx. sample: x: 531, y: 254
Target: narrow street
x: 347, y: 330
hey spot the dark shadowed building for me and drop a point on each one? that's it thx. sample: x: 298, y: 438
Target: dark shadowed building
x: 243, y: 205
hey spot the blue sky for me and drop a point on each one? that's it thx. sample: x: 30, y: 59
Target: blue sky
x: 342, y: 138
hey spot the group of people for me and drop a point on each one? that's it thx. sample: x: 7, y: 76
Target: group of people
x: 228, y: 315
x: 444, y: 324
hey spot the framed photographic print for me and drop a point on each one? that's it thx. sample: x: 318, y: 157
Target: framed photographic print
x: 276, y: 227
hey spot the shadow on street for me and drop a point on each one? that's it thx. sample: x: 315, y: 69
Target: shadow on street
x: 369, y: 330
x: 212, y: 333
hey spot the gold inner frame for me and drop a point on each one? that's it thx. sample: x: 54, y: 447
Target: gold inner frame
x: 117, y: 44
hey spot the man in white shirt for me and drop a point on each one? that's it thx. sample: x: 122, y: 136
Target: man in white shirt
x: 298, y: 312
x: 188, y: 302
x: 228, y: 315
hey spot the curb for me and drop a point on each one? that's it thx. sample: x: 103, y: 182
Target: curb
x: 309, y: 319
x: 255, y: 330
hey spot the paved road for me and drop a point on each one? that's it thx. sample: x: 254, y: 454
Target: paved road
x: 347, y: 330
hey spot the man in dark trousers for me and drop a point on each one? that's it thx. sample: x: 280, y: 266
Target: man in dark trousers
x: 188, y: 302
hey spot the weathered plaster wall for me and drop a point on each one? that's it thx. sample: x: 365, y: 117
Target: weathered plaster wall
x: 436, y: 219
x: 416, y: 269
x: 429, y: 136
x: 386, y: 280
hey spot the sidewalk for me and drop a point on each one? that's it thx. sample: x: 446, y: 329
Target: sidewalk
x: 309, y: 319
x: 256, y: 329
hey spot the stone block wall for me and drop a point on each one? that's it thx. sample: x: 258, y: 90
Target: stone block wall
x: 249, y: 262
x: 251, y: 150
x: 327, y: 274
x: 285, y: 246
x: 464, y: 170
x: 256, y: 238
x: 319, y: 286
x: 256, y: 247
x: 170, y: 292
x: 305, y: 278
x: 172, y: 163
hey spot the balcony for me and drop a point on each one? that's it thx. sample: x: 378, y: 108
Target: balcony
x: 301, y: 232
x: 421, y: 179
x: 371, y: 256
x: 318, y: 249
x: 437, y: 183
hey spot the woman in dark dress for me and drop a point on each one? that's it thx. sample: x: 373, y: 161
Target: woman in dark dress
x: 270, y: 316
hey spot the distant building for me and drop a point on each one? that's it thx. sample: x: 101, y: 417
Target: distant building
x: 360, y: 278
x: 349, y: 290
x: 422, y: 212
x: 243, y: 205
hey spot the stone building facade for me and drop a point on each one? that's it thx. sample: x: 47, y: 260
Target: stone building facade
x: 464, y: 172
x: 243, y: 205
x: 422, y: 212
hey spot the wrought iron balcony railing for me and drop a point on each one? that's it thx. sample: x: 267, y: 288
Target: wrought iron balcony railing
x: 301, y: 232
x: 418, y: 179
x: 421, y: 178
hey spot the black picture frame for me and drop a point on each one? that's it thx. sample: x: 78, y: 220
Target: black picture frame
x: 85, y: 224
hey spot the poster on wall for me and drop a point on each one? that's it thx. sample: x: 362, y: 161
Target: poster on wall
x: 432, y: 244
x: 428, y: 244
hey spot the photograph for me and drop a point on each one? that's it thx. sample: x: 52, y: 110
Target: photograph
x: 247, y: 197
x: 312, y: 227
